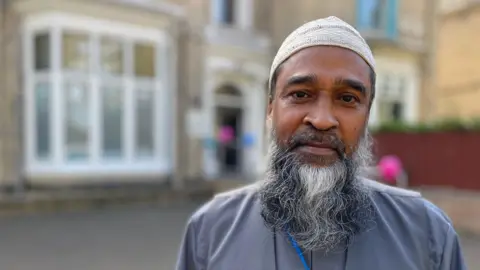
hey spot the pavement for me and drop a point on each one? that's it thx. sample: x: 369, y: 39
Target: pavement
x: 142, y: 237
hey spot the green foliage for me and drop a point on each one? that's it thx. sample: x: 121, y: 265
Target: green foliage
x: 445, y: 125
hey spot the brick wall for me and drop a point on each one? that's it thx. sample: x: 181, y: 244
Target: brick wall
x: 447, y: 159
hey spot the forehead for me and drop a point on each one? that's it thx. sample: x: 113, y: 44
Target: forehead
x: 327, y: 63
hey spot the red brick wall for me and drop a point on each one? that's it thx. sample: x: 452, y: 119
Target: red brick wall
x: 436, y: 159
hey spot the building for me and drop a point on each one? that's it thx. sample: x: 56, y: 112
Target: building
x: 397, y: 32
x: 227, y: 91
x: 457, y: 74
x: 103, y: 91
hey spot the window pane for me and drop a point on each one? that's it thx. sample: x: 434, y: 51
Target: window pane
x: 144, y: 122
x: 75, y: 51
x: 42, y: 51
x: 397, y: 111
x: 77, y: 121
x: 378, y: 15
x: 387, y: 83
x: 400, y: 90
x: 112, y: 104
x: 372, y: 14
x: 42, y: 120
x: 228, y: 11
x: 390, y: 111
x: 111, y: 53
x: 144, y: 56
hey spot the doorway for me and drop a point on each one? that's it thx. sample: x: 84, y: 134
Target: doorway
x: 229, y: 129
x: 230, y: 150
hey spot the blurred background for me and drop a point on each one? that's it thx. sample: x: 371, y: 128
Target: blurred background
x: 120, y: 117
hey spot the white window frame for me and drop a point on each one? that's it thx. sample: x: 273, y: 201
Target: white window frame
x: 410, y: 98
x: 57, y: 22
x: 388, y: 91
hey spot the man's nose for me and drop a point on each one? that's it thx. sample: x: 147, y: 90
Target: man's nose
x: 321, y: 116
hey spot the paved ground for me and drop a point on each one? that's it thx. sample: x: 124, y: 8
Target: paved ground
x: 131, y: 238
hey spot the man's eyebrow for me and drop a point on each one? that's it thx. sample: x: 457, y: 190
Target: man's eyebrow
x: 301, y: 79
x: 351, y: 83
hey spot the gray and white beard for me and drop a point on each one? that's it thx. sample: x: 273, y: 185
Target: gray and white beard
x: 322, y: 207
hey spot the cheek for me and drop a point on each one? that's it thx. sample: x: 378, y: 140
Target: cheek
x: 286, y: 122
x: 352, y: 130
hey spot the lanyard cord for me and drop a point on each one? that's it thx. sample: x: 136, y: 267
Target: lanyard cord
x: 299, y: 251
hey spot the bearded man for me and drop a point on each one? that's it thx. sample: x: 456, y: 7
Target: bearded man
x: 314, y: 210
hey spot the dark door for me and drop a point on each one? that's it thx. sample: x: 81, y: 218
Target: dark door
x: 229, y: 153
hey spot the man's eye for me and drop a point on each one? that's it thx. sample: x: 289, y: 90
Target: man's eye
x: 299, y: 95
x: 348, y: 98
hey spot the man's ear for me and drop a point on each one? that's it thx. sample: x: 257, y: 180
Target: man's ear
x: 268, y: 119
x: 269, y: 109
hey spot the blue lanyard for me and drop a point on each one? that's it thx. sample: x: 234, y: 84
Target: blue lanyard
x: 298, y: 250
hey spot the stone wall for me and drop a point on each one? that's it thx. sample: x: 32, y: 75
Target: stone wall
x: 463, y: 207
x: 457, y: 56
x: 11, y: 97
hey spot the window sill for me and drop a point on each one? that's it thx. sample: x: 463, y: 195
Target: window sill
x: 147, y: 168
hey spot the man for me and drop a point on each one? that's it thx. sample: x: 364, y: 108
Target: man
x: 313, y: 210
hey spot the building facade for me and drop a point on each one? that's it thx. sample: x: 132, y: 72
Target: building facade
x: 225, y: 115
x: 102, y: 91
x: 457, y: 77
x: 397, y: 32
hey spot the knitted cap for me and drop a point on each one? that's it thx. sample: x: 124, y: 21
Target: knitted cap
x: 330, y: 31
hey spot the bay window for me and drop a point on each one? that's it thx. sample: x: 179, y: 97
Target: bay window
x: 96, y: 96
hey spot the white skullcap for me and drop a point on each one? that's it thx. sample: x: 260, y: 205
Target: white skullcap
x: 330, y: 31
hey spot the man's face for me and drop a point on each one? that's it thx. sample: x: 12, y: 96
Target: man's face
x: 321, y: 104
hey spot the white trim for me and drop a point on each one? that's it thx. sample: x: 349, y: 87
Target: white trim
x: 170, y: 74
x: 214, y: 62
x: 245, y: 13
x: 96, y: 123
x: 395, y: 64
x: 260, y: 72
x: 57, y: 97
x: 42, y: 21
x: 129, y: 127
x: 156, y: 167
x: 28, y: 97
x: 398, y: 67
x: 156, y: 6
x: 236, y: 37
x: 55, y: 23
x: 230, y: 101
x: 253, y: 108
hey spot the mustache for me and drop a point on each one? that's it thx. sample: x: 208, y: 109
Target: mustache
x: 311, y: 136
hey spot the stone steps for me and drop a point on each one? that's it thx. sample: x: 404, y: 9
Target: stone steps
x: 54, y: 200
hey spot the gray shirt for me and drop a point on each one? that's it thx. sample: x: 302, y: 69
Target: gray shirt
x: 410, y: 233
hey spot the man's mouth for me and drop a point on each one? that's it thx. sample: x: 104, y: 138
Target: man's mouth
x: 317, y: 149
